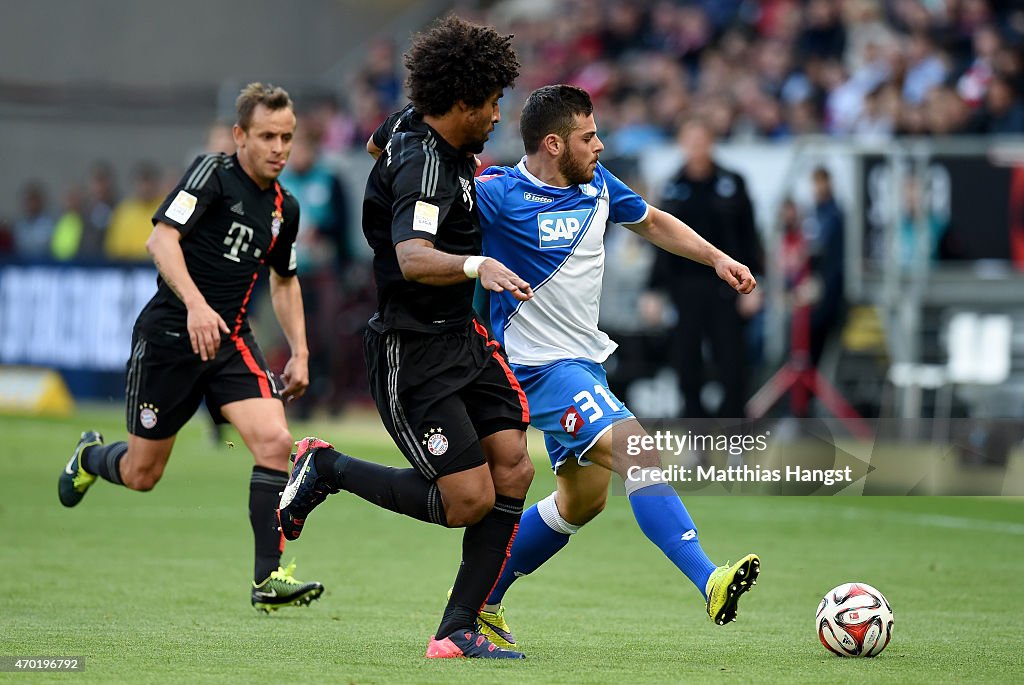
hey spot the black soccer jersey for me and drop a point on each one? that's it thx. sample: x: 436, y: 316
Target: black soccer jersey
x: 420, y: 187
x: 230, y: 228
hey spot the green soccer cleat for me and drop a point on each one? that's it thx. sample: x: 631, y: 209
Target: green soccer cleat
x: 726, y: 584
x: 74, y: 480
x: 281, y: 589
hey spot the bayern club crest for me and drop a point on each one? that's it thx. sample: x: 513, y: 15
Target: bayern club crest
x: 437, y: 444
x: 147, y: 415
x: 275, y: 224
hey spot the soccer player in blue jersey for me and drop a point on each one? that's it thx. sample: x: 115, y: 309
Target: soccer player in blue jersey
x: 545, y: 219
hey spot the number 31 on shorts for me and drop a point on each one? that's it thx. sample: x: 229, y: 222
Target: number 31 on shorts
x: 589, y: 406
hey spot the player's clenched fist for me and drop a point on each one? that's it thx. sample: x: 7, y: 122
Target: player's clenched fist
x: 737, y: 275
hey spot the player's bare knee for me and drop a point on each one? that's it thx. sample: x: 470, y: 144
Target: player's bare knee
x: 145, y: 483
x: 623, y: 465
x: 593, y: 506
x: 521, y: 473
x: 273, y: 449
x: 623, y: 460
x: 477, y: 507
x: 465, y: 517
x: 281, y: 440
x: 467, y: 508
x: 597, y: 505
x: 513, y: 476
x: 582, y: 511
x: 141, y: 479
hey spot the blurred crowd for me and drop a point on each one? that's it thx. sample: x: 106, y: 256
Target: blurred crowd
x: 100, y: 220
x: 92, y: 221
x: 867, y: 69
x: 768, y: 70
x: 758, y: 70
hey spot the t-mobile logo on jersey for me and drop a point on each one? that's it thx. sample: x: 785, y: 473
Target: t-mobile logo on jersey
x: 238, y: 238
x: 572, y: 422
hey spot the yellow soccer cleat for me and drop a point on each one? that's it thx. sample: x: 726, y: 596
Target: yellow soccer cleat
x: 495, y: 628
x: 726, y: 585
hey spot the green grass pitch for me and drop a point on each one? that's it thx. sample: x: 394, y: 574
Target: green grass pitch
x: 153, y: 587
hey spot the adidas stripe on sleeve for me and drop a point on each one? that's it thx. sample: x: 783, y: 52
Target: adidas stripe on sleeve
x: 422, y: 199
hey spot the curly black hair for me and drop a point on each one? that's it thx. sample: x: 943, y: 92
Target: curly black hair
x: 456, y: 60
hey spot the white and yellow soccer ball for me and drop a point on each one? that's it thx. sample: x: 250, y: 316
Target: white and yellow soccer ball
x: 854, y: 619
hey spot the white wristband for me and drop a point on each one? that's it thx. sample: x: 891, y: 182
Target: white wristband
x: 471, y: 267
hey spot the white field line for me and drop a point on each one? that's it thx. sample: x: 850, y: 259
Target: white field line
x: 932, y: 520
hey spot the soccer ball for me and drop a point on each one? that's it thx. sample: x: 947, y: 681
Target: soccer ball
x: 854, y: 619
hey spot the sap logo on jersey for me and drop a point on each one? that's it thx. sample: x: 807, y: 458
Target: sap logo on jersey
x: 559, y: 229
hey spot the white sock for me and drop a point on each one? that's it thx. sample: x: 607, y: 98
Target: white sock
x: 548, y: 511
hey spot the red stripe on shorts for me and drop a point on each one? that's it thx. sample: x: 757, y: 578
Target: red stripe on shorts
x: 508, y: 372
x: 250, y: 363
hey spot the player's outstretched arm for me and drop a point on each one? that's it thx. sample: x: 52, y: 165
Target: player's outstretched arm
x: 672, y: 235
x: 204, y: 324
x: 421, y: 262
x: 286, y: 297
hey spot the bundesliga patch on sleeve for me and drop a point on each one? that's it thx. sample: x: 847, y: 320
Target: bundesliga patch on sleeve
x: 424, y: 217
x: 181, y: 208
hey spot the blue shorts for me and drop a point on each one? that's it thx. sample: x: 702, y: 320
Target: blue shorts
x: 571, y: 402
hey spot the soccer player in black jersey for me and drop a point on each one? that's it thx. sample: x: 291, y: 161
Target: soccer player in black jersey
x: 442, y: 385
x: 227, y: 217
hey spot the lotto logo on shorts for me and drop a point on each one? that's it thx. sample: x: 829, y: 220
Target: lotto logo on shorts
x: 572, y: 421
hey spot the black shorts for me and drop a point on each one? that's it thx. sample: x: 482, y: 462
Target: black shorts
x: 166, y: 383
x: 438, y: 395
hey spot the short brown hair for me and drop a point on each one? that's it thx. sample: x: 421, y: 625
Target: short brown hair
x: 270, y: 96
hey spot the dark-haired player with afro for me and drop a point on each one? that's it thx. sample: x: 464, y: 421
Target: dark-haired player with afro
x: 442, y: 384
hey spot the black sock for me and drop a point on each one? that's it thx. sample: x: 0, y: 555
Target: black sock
x: 403, y: 491
x: 485, y: 548
x: 105, y: 460
x: 265, y: 488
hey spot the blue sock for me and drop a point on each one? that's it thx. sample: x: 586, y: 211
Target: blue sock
x: 536, y: 542
x: 665, y: 521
